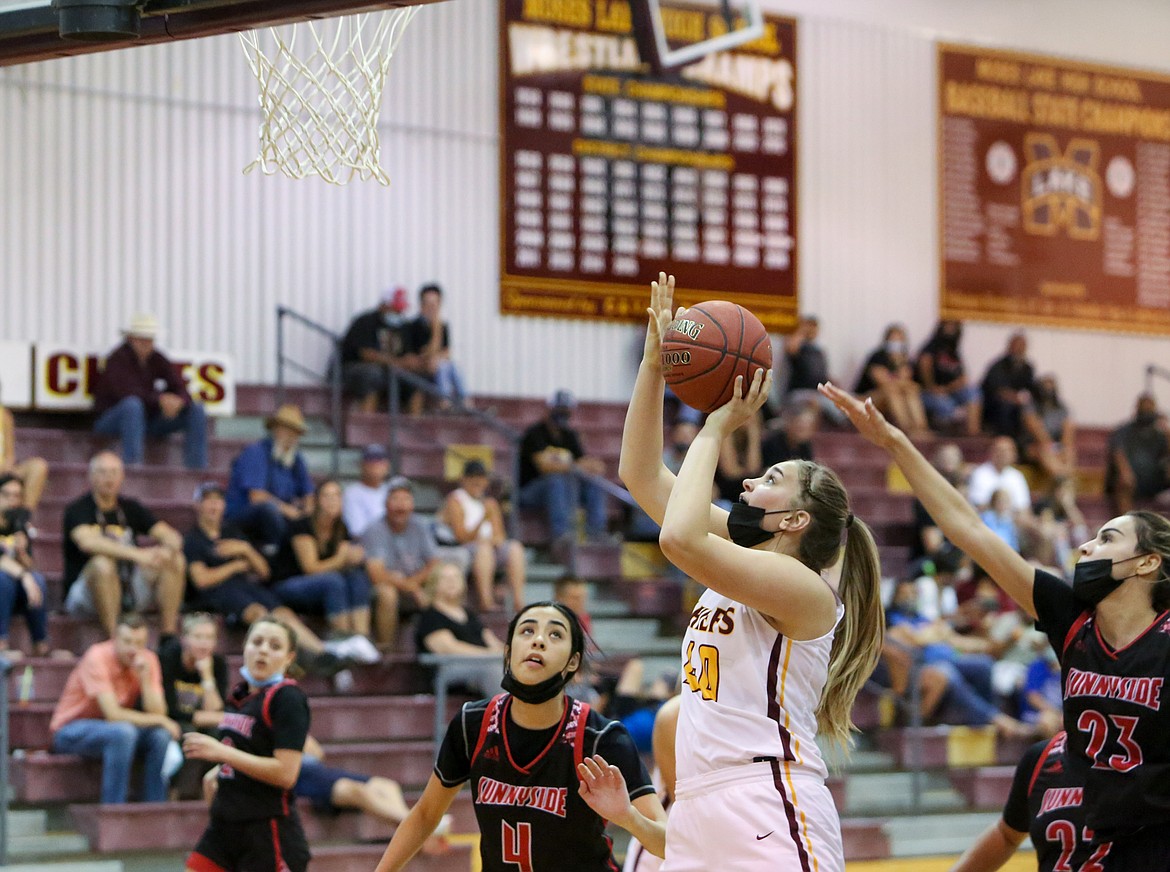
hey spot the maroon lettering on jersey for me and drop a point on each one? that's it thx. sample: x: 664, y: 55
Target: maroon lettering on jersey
x: 1061, y: 797
x: 1145, y: 691
x: 238, y: 723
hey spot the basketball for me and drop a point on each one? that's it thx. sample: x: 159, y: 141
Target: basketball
x: 705, y: 349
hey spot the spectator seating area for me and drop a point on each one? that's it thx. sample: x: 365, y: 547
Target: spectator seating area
x: 383, y: 725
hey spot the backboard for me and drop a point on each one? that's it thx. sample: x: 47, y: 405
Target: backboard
x: 32, y: 30
x: 673, y: 34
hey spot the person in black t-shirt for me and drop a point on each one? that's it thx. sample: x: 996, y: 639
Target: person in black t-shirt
x: 373, y: 342
x: 1111, y: 630
x: 429, y: 337
x: 22, y: 588
x: 115, y: 574
x: 254, y: 823
x: 1007, y: 389
x: 550, y: 451
x: 1045, y: 803
x: 949, y: 397
x: 888, y: 377
x: 537, y: 761
x: 447, y: 627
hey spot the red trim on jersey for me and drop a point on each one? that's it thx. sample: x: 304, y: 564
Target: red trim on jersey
x: 556, y: 737
x: 268, y: 694
x: 199, y: 863
x: 1073, y: 630
x: 773, y: 698
x: 790, y: 813
x: 1112, y: 652
x: 1043, y: 758
x: 281, y: 866
x: 483, y: 727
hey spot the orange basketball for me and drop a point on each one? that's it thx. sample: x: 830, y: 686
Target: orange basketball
x: 705, y: 349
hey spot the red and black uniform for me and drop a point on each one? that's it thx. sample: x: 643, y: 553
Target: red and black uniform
x: 1046, y: 802
x: 1118, y: 722
x: 524, y: 785
x: 254, y: 826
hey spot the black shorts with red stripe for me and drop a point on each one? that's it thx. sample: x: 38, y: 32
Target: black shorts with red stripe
x: 267, y: 845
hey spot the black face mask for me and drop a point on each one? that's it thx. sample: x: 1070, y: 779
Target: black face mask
x: 1093, y: 579
x: 535, y: 694
x: 744, y: 524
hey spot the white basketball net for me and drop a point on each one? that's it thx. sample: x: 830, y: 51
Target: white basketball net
x: 321, y: 87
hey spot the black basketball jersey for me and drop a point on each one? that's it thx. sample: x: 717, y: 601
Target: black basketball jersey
x: 1114, y: 713
x: 530, y: 814
x: 259, y: 723
x: 1046, y: 801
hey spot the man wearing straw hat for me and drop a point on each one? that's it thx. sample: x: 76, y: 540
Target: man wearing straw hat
x: 270, y: 481
x: 140, y: 394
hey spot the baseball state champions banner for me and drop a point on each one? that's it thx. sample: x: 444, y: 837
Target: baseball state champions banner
x: 1054, y: 192
x: 609, y: 174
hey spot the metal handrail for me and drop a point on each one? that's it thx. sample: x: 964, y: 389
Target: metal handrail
x: 1152, y: 370
x: 334, y: 374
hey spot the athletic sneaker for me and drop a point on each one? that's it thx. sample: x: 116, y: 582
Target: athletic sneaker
x: 362, y: 650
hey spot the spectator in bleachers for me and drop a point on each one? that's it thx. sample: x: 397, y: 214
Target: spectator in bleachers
x: 429, y: 337
x: 319, y: 569
x: 106, y: 571
x: 195, y: 684
x: 807, y: 366
x: 999, y: 473
x: 550, y: 452
x: 1139, y: 457
x: 22, y: 588
x: 33, y: 471
x: 1063, y: 524
x: 1007, y: 389
x: 930, y: 546
x: 568, y: 590
x: 113, y: 709
x: 888, y: 378
x: 640, y: 527
x: 951, y: 400
x: 739, y: 458
x: 447, y: 626
x: 140, y: 394
x: 970, y: 698
x: 788, y: 438
x: 1050, y: 436
x: 228, y: 577
x: 270, y: 485
x: 1000, y: 518
x: 475, y: 521
x: 364, y: 500
x: 402, y: 552
x: 375, y: 341
x: 1042, y: 699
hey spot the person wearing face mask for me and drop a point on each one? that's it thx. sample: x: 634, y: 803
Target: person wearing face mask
x: 777, y: 647
x: 550, y: 454
x: 888, y: 377
x: 1139, y: 457
x: 547, y: 771
x: 1111, y: 631
x: 1049, y: 438
x: 375, y: 341
x: 254, y: 822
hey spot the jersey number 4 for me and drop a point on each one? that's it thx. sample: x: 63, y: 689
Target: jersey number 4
x: 517, y: 842
x: 704, y: 681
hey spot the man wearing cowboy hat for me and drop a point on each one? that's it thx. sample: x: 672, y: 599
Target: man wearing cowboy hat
x: 270, y: 481
x: 140, y: 394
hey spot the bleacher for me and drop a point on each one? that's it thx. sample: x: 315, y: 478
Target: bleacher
x: 383, y: 724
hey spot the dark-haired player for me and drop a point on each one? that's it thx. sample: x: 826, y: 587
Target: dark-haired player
x: 254, y: 824
x: 1046, y: 803
x: 1111, y: 630
x: 537, y: 761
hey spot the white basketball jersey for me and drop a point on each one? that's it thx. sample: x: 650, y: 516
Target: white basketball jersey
x: 748, y: 691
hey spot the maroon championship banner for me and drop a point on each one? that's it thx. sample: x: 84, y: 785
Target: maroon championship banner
x: 609, y: 174
x: 1054, y: 192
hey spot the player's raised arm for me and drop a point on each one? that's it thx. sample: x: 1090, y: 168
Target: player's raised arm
x: 947, y: 507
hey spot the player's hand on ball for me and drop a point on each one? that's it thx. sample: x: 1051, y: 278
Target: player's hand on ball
x: 745, y: 401
x: 604, y: 789
x: 661, y: 313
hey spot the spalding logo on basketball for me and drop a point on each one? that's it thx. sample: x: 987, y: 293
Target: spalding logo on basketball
x: 705, y: 349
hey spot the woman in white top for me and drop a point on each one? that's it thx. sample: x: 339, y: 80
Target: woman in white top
x: 777, y: 647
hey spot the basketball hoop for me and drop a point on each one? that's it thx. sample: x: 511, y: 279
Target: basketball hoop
x: 321, y: 87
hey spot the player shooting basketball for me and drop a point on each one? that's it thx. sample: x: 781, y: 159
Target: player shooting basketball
x: 778, y: 646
